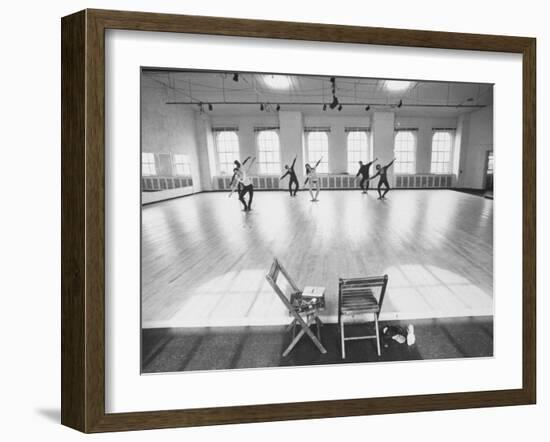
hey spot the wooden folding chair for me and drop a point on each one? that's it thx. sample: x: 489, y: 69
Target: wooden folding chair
x: 357, y: 296
x: 303, y: 309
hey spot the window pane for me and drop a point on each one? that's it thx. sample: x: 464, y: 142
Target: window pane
x: 441, y: 152
x: 268, y: 152
x: 405, y: 152
x: 317, y: 147
x: 148, y: 167
x: 358, y: 150
x: 227, y: 145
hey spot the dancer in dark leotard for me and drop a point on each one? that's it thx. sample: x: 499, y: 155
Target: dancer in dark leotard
x: 364, y: 172
x: 382, y: 172
x: 293, y: 178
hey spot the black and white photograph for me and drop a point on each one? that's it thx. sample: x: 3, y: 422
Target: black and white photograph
x: 299, y: 220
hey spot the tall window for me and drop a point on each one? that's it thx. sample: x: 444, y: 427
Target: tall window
x: 405, y: 152
x: 441, y: 151
x: 317, y: 147
x: 148, y: 167
x: 358, y: 149
x: 227, y: 144
x: 181, y: 165
x: 268, y: 152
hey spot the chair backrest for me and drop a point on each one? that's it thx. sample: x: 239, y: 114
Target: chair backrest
x: 371, y: 282
x: 272, y: 276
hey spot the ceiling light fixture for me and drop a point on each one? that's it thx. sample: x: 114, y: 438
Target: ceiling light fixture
x: 368, y: 107
x: 339, y: 108
x: 324, y: 107
x: 400, y: 103
x: 262, y: 107
x: 334, y: 102
x: 235, y: 77
x: 397, y: 85
x: 277, y: 81
x: 210, y: 107
x: 278, y: 107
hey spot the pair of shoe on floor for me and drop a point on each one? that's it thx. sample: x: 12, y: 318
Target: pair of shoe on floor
x: 398, y: 334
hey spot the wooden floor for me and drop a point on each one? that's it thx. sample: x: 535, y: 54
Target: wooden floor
x: 204, y: 260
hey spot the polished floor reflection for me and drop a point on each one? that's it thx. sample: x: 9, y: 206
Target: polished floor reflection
x: 204, y: 260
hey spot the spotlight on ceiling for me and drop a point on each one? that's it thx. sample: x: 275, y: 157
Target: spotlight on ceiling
x: 397, y: 86
x: 262, y: 107
x: 210, y: 107
x: 334, y: 102
x: 235, y: 77
x: 277, y: 81
x: 278, y: 107
x: 324, y: 107
x: 400, y: 103
x: 368, y: 107
x: 339, y: 108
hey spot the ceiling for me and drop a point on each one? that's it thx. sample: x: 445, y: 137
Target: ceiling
x: 247, y: 93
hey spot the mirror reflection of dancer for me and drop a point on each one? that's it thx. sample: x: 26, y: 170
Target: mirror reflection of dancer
x: 364, y: 172
x: 244, y: 185
x: 313, y: 179
x: 237, y: 167
x: 293, y: 178
x: 382, y: 171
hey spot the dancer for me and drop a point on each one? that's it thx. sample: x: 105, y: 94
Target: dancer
x: 313, y: 179
x: 382, y: 172
x: 237, y: 167
x: 293, y: 178
x: 244, y: 185
x: 364, y: 172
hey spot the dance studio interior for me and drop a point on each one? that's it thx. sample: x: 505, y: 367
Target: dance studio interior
x: 265, y: 242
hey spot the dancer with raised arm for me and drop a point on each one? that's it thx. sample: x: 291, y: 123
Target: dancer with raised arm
x: 364, y: 170
x: 244, y: 185
x: 237, y: 167
x: 313, y: 179
x: 382, y: 172
x: 293, y: 178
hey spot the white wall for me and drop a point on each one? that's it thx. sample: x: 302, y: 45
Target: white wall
x: 30, y: 381
x: 477, y: 140
x: 170, y: 129
x: 291, y: 125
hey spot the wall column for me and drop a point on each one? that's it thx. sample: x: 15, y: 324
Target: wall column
x: 383, y: 139
x: 291, y: 140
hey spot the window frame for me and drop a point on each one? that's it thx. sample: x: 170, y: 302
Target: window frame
x: 398, y: 163
x: 186, y: 164
x: 262, y: 170
x: 323, y: 165
x: 234, y: 154
x: 448, y: 163
x: 352, y: 165
x: 148, y: 163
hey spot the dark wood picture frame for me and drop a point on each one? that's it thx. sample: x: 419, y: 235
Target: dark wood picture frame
x: 83, y: 220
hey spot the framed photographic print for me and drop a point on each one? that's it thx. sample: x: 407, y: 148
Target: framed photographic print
x: 269, y: 220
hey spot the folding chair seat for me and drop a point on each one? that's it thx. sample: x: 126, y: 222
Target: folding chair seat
x: 357, y: 296
x: 303, y: 307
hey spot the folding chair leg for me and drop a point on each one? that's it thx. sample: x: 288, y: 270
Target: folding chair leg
x: 291, y: 325
x: 342, y: 339
x: 293, y: 343
x: 377, y: 333
x: 304, y: 330
x: 319, y: 324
